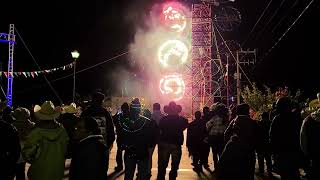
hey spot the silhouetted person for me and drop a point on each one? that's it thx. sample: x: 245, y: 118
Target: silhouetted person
x: 171, y: 139
x: 9, y: 151
x: 263, y: 147
x: 216, y: 127
x: 103, y: 118
x: 195, y: 136
x: 206, y: 149
x: 284, y: 138
x: 120, y: 116
x: 238, y: 158
x: 46, y: 146
x: 155, y: 118
x: 138, y: 138
x: 24, y: 127
x: 310, y: 144
x: 89, y: 159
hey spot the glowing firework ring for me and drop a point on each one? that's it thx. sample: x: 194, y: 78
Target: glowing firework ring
x: 172, y: 86
x: 174, y: 18
x: 171, y: 51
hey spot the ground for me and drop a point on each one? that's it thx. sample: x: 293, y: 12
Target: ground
x: 185, y: 171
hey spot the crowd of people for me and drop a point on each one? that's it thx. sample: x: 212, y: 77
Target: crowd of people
x: 48, y: 135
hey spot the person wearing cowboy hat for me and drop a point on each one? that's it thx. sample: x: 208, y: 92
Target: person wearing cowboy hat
x: 24, y: 126
x: 46, y: 145
x: 68, y: 118
x: 171, y: 139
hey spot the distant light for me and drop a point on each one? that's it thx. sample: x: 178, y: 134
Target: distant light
x: 173, y: 53
x: 75, y: 54
x: 172, y: 86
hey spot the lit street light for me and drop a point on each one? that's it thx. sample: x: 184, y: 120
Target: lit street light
x: 75, y: 55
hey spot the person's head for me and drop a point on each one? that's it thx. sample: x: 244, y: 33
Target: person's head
x: 283, y: 105
x: 85, y: 127
x: 243, y: 109
x: 221, y: 110
x: 197, y: 115
x: 125, y: 108
x: 21, y: 114
x: 156, y: 107
x: 97, y: 98
x: 135, y: 107
x: 206, y: 111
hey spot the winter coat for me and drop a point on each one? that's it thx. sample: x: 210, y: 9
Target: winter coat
x: 104, y: 121
x: 238, y: 157
x: 309, y: 136
x: 196, y: 134
x: 171, y: 129
x: 89, y: 161
x: 285, y: 133
x: 138, y: 136
x: 45, y: 149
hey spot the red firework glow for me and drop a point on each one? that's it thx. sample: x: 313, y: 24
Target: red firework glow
x: 172, y: 86
x: 174, y: 18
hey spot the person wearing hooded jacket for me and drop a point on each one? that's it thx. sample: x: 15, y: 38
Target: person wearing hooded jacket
x: 89, y: 160
x: 46, y: 146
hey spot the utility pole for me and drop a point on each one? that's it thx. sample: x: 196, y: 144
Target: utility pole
x: 248, y: 57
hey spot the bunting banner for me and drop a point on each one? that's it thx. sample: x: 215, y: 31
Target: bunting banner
x: 34, y: 74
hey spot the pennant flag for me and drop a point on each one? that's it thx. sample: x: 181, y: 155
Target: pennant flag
x: 32, y: 74
x: 19, y: 73
x: 47, y: 71
x: 0, y: 73
x: 6, y: 74
x: 28, y: 74
x: 36, y: 73
x: 25, y: 74
x: 16, y: 74
x: 64, y: 68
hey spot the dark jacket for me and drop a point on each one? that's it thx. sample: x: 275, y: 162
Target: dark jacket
x: 104, y: 121
x: 309, y: 136
x: 171, y: 129
x: 263, y: 137
x: 246, y: 129
x: 9, y: 151
x: 89, y: 161
x: 285, y: 134
x: 196, y: 134
x: 138, y: 136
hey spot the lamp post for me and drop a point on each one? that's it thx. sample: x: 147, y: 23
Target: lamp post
x: 75, y: 55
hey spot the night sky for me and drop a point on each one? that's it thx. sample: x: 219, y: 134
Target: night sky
x: 103, y: 29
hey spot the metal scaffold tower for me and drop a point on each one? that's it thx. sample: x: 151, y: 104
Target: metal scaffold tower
x: 201, y: 56
x: 9, y: 38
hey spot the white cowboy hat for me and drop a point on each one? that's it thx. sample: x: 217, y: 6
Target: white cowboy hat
x: 71, y: 109
x: 47, y: 111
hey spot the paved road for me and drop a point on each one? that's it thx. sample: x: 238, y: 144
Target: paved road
x: 185, y: 171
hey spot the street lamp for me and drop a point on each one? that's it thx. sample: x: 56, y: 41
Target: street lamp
x: 75, y: 55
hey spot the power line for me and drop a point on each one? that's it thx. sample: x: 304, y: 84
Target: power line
x: 34, y: 60
x: 82, y: 70
x: 273, y: 15
x: 234, y: 58
x: 268, y: 52
x: 284, y: 17
x: 264, y: 11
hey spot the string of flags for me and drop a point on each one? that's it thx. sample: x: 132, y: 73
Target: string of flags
x: 35, y: 73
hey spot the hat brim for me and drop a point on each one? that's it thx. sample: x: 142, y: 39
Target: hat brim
x: 42, y: 116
